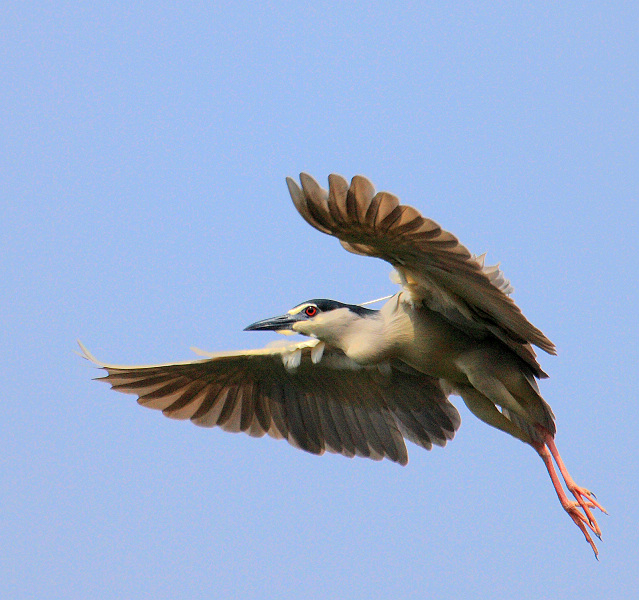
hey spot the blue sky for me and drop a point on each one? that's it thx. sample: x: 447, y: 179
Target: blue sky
x: 144, y: 211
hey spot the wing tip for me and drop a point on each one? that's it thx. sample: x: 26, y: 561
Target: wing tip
x: 292, y: 186
x: 84, y: 353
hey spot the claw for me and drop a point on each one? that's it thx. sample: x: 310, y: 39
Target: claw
x: 580, y: 492
x: 587, y: 501
x: 581, y: 522
x: 584, y: 499
x: 572, y: 508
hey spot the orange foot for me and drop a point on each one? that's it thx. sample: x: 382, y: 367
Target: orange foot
x: 585, y: 500
x: 584, y: 497
x: 584, y: 522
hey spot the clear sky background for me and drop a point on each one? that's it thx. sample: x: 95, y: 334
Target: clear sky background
x: 144, y: 148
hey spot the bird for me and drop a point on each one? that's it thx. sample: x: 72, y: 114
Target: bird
x: 362, y: 381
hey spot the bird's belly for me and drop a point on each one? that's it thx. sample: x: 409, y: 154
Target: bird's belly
x: 438, y: 360
x: 436, y: 346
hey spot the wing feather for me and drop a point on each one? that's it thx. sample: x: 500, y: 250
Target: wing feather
x: 211, y: 407
x: 346, y: 445
x: 262, y: 410
x: 187, y: 403
x: 332, y: 405
x: 434, y: 267
x: 275, y: 402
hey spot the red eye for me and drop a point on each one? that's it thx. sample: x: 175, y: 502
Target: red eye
x: 310, y: 311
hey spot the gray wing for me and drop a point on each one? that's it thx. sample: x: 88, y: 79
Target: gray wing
x: 433, y: 266
x: 327, y: 403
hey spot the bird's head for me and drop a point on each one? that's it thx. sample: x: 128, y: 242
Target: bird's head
x: 324, y: 319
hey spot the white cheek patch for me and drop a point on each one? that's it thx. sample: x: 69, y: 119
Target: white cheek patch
x: 301, y: 327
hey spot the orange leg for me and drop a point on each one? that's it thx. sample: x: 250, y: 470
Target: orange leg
x: 585, y: 497
x: 570, y: 506
x: 585, y: 500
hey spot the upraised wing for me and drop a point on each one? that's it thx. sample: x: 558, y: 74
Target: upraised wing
x: 314, y: 397
x: 433, y: 266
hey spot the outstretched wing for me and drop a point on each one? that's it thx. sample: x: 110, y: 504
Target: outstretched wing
x: 433, y: 266
x: 313, y: 396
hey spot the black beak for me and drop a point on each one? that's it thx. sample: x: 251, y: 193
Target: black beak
x: 281, y: 323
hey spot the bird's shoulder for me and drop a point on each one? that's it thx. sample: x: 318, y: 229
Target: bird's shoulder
x: 432, y: 266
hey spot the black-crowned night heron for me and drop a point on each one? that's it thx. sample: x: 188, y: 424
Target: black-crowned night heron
x: 366, y: 379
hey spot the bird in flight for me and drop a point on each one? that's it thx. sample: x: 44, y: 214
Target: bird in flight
x: 365, y: 380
